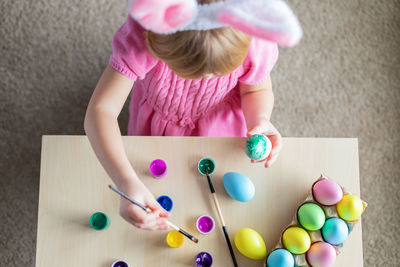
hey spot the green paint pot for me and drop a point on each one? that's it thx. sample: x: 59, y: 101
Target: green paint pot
x: 206, y: 165
x: 99, y: 221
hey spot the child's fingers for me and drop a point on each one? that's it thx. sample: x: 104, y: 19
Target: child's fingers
x: 256, y: 130
x: 147, y: 221
x: 164, y: 213
x: 272, y: 157
x: 139, y: 216
x: 162, y: 224
x: 135, y: 213
x: 156, y: 207
x: 258, y: 161
x: 271, y: 161
x: 148, y: 226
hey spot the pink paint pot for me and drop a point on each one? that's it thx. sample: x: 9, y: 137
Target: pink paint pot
x: 205, y: 224
x: 158, y: 168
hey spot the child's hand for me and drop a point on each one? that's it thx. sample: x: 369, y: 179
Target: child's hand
x: 156, y: 220
x: 274, y: 136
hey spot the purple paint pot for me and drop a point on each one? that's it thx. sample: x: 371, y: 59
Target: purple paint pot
x: 120, y: 263
x: 205, y: 224
x: 204, y: 259
x: 158, y: 168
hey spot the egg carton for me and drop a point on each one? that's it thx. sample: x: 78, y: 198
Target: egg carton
x: 316, y: 236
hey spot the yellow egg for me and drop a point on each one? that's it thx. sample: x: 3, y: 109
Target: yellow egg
x: 296, y: 240
x: 250, y: 244
x: 350, y: 208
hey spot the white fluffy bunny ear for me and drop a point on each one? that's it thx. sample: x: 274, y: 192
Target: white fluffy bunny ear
x: 272, y: 20
x: 162, y: 16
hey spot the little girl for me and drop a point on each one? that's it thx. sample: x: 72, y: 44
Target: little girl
x: 195, y: 68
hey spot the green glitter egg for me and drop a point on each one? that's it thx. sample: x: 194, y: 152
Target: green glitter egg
x: 206, y: 165
x: 258, y: 147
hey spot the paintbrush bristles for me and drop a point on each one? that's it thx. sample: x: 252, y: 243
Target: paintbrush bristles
x: 149, y: 210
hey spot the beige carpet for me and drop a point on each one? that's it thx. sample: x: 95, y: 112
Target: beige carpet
x: 342, y: 81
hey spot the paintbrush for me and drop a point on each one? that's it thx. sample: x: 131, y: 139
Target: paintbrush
x: 228, y: 241
x: 194, y: 239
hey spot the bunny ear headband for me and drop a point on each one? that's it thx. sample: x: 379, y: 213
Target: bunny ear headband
x: 272, y: 20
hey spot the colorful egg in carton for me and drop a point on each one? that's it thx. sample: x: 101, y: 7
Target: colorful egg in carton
x: 321, y: 225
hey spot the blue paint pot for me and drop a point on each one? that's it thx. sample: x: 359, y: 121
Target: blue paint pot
x: 165, y: 202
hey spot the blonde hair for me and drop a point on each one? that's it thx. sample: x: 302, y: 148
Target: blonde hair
x: 193, y: 54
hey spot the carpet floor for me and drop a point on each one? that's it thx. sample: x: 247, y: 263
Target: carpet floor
x: 343, y: 80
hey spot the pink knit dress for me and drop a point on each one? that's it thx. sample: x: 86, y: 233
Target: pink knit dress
x: 162, y: 103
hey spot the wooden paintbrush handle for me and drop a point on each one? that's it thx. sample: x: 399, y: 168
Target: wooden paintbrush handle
x: 218, y: 209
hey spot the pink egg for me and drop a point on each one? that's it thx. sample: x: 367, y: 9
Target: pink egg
x: 321, y: 254
x: 327, y: 192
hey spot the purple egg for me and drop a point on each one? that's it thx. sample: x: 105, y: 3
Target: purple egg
x: 327, y: 192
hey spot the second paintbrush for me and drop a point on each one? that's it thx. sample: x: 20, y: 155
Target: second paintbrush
x: 122, y: 194
x: 206, y: 166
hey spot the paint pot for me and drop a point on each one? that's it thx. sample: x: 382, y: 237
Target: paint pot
x: 158, y: 168
x: 205, y: 224
x: 165, y: 202
x: 119, y: 263
x: 206, y: 165
x: 99, y: 221
x: 204, y: 259
x: 175, y: 239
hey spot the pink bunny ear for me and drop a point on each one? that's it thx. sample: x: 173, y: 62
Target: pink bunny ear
x: 162, y: 16
x: 272, y: 20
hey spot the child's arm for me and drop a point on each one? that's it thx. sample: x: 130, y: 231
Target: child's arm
x: 102, y: 129
x: 257, y: 104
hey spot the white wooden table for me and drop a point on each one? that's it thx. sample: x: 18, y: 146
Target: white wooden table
x: 73, y: 185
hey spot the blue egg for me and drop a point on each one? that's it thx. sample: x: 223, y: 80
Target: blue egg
x: 238, y: 186
x: 335, y: 231
x: 280, y: 258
